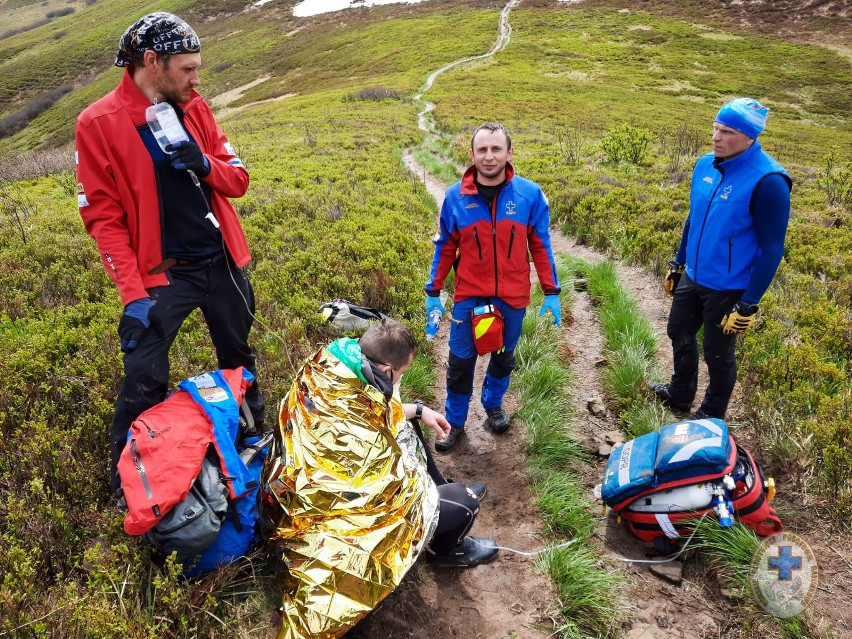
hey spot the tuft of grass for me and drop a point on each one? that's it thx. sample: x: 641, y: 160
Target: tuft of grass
x: 585, y: 592
x: 588, y: 592
x: 630, y: 343
x: 418, y: 379
x: 731, y: 551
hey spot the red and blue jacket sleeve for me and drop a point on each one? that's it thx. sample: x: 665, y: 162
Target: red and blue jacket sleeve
x: 446, y: 248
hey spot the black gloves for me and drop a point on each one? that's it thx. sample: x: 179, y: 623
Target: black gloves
x: 673, y: 277
x: 739, y: 318
x: 187, y: 155
x: 137, y: 317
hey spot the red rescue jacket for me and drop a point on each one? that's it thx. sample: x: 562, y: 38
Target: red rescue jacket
x: 117, y: 187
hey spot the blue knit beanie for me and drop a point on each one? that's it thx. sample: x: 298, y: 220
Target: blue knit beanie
x: 745, y: 115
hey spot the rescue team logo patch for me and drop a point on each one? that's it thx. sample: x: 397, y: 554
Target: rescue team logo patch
x: 510, y: 207
x: 783, y: 575
x: 726, y: 192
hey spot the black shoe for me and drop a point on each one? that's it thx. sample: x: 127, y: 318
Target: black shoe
x: 478, y: 489
x: 450, y: 440
x: 470, y: 552
x: 700, y: 414
x: 498, y: 420
x: 662, y: 392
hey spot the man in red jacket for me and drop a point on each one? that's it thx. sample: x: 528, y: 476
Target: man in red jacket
x: 167, y: 234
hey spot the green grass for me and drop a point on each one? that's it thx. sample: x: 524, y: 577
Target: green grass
x: 630, y: 346
x: 731, y: 551
x: 588, y: 593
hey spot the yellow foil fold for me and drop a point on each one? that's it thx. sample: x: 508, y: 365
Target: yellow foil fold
x: 345, y: 497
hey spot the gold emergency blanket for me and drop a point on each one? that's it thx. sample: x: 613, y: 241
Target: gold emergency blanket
x: 346, y: 498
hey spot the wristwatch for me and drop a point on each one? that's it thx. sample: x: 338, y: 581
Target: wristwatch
x: 418, y: 414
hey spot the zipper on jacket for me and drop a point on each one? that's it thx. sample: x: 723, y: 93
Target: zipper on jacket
x: 140, y: 468
x: 511, y: 241
x: 730, y: 251
x: 478, y: 245
x: 151, y: 432
x: 494, y: 240
x: 704, y: 220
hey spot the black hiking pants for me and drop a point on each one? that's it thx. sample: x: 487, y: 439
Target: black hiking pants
x: 205, y: 285
x: 457, y: 511
x: 695, y: 306
x: 457, y: 507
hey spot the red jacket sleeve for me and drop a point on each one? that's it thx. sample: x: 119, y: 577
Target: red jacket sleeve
x: 100, y: 207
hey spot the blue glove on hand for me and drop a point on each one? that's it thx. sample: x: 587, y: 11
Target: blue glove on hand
x: 434, y: 304
x: 133, y: 323
x: 187, y: 155
x: 551, y: 303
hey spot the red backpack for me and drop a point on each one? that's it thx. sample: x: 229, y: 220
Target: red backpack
x: 661, y: 480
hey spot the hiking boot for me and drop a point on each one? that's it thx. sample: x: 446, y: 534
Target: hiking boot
x: 498, y: 420
x: 469, y: 552
x: 450, y: 440
x: 662, y: 392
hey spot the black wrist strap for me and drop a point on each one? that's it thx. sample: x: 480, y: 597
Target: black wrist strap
x: 419, y: 412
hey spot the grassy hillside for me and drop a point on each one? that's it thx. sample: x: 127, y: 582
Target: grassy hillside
x: 331, y: 212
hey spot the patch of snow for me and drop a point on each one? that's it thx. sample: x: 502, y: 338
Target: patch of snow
x: 260, y: 3
x: 315, y: 7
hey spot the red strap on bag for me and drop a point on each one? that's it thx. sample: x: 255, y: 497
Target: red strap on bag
x: 488, y: 329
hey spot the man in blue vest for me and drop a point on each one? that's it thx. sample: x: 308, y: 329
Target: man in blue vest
x: 732, y: 243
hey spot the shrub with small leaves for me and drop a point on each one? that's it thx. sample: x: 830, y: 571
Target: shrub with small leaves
x: 626, y: 143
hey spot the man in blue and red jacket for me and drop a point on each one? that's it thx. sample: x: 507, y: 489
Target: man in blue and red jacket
x: 732, y: 243
x: 167, y: 234
x: 489, y: 221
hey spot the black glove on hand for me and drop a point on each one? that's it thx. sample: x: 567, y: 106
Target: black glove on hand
x: 739, y: 319
x: 673, y: 277
x: 138, y: 317
x: 187, y: 155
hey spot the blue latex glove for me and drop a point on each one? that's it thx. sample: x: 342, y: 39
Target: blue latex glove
x: 186, y: 155
x: 434, y: 304
x: 551, y: 303
x: 134, y: 322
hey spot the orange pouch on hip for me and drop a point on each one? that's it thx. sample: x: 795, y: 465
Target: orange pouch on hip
x: 488, y: 329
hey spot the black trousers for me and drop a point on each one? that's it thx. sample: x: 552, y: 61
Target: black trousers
x: 457, y: 511
x: 457, y: 508
x: 695, y: 306
x: 206, y: 285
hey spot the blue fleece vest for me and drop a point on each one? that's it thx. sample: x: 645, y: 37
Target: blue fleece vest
x: 722, y: 244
